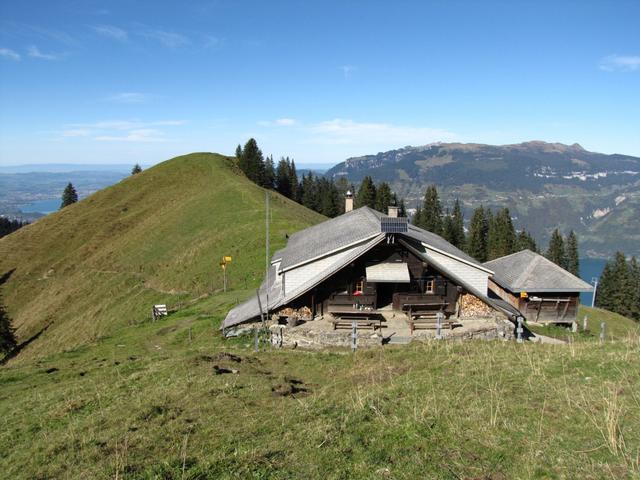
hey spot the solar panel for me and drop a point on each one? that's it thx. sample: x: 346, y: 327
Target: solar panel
x: 393, y: 225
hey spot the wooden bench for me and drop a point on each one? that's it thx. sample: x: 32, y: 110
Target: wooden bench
x: 426, y: 316
x: 158, y: 311
x: 363, y: 319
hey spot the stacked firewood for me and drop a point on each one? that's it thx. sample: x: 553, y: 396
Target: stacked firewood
x: 301, y: 313
x: 472, y: 306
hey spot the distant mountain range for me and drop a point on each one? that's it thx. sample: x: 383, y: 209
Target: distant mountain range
x: 545, y: 185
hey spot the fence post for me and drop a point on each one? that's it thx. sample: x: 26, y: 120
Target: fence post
x: 574, y: 327
x: 255, y: 339
x: 585, y: 323
x: 519, y: 331
x: 603, y: 327
x: 354, y: 336
x: 439, y: 317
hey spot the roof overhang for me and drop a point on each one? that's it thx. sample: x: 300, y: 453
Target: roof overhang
x: 455, y: 257
x: 388, y: 272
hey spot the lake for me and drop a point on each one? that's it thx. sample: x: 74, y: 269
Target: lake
x: 42, y: 206
x: 590, y: 268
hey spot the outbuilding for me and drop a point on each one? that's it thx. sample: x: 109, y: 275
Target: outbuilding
x: 541, y: 290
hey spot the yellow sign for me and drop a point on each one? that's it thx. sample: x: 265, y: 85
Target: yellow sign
x: 227, y: 259
x: 524, y: 295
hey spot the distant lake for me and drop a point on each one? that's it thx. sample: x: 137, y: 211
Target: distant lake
x: 590, y: 268
x: 42, y: 206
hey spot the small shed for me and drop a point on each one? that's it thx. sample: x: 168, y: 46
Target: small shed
x: 540, y: 289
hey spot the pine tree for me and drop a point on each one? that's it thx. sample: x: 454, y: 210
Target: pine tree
x: 634, y: 270
x: 7, y: 335
x: 136, y: 169
x: 69, y: 196
x: 402, y: 209
x: 431, y: 218
x: 525, y: 241
x: 384, y: 197
x: 366, y: 196
x: 457, y: 226
x: 606, y: 286
x: 478, y: 233
x: 293, y: 180
x: 252, y: 162
x: 309, y: 192
x: 283, y: 178
x: 502, y: 235
x: 556, y: 252
x: 571, y: 254
x: 616, y: 289
x: 269, y: 173
x: 416, y: 219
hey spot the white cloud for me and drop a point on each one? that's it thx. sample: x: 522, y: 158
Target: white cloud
x: 347, y: 70
x: 279, y: 122
x: 129, y: 97
x: 138, y: 135
x: 121, y: 130
x: 168, y: 39
x: 35, y: 52
x: 623, y: 63
x: 345, y: 131
x: 10, y: 54
x: 111, y: 31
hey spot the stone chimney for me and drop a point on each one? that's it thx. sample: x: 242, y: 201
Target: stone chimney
x: 392, y: 211
x: 348, y: 201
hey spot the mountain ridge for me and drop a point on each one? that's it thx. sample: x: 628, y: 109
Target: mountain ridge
x: 546, y: 185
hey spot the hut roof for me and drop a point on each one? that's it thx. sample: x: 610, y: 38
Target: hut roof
x: 531, y: 272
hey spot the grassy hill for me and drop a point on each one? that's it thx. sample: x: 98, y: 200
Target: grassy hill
x: 156, y: 237
x: 172, y: 399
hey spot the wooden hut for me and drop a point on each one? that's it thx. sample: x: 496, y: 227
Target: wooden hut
x: 541, y: 290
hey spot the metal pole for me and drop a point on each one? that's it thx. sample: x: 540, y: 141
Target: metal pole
x: 439, y: 317
x: 603, y: 327
x: 519, y: 331
x: 266, y: 255
x: 594, y: 280
x: 224, y: 276
x: 354, y: 336
x: 255, y: 339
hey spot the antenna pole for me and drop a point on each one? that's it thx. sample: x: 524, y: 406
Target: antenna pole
x: 266, y: 254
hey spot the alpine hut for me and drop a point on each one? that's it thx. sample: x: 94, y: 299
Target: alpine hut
x: 537, y: 287
x: 363, y: 261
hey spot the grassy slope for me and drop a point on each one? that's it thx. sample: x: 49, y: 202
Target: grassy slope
x: 617, y: 326
x: 148, y: 404
x: 156, y: 237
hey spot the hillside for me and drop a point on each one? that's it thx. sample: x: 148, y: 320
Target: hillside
x: 544, y: 184
x: 84, y: 272
x: 173, y: 400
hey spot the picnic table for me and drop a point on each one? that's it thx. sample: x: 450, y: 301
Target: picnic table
x: 425, y: 315
x: 363, y: 318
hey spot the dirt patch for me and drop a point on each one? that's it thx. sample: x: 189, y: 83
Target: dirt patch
x: 291, y: 387
x: 52, y: 370
x: 217, y: 370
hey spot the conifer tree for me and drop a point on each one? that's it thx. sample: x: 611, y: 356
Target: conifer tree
x: 634, y: 270
x: 384, y: 197
x: 309, y: 192
x: 417, y: 217
x: 478, y: 233
x: 525, y: 241
x: 251, y: 162
x: 366, y: 196
x: 283, y: 178
x: 502, y: 235
x: 431, y: 218
x: 7, y: 336
x: 402, y: 209
x: 606, y: 286
x: 269, y: 173
x: 457, y: 226
x: 556, y: 252
x: 293, y: 180
x: 136, y: 169
x: 571, y: 254
x: 69, y: 196
x: 447, y: 227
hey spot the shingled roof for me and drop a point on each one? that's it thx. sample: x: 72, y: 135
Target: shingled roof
x: 530, y: 272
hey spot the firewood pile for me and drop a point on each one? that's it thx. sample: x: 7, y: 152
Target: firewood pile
x: 471, y: 306
x: 303, y: 313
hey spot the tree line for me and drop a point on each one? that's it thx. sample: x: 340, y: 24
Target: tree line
x: 619, y: 286
x: 315, y: 192
x: 491, y: 234
x: 8, y: 226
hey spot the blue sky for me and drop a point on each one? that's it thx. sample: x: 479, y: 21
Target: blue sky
x: 123, y: 82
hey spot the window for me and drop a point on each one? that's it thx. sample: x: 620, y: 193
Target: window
x: 360, y: 285
x: 430, y: 286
